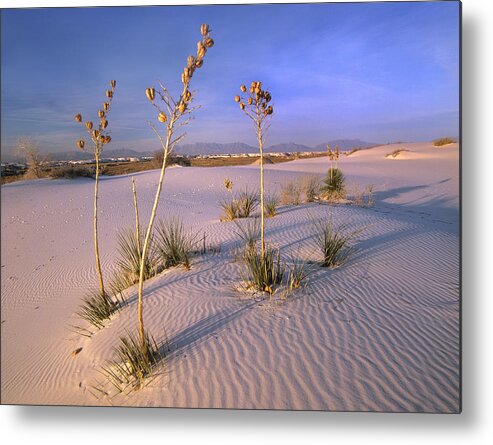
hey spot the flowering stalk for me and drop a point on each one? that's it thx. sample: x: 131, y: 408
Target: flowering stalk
x: 255, y: 104
x: 99, y: 137
x: 175, y: 114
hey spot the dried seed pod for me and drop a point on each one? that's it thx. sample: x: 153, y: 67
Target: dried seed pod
x: 269, y: 110
x: 107, y: 139
x: 187, y: 96
x: 190, y: 61
x: 237, y: 98
x: 80, y: 144
x: 201, y: 50
x: 252, y: 89
x: 151, y: 94
x: 199, y: 63
x: 242, y: 105
x: 95, y: 134
x: 228, y: 184
x: 104, y: 123
x: 109, y: 93
x: 162, y: 117
x: 268, y: 97
x: 250, y: 101
x: 209, y: 42
x: 89, y: 125
x: 243, y: 88
x: 78, y: 117
x: 113, y: 83
x: 106, y: 106
x: 204, y: 29
x: 101, y: 114
x: 182, y: 107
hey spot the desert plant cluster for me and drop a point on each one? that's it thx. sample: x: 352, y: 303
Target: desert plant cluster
x: 145, y: 250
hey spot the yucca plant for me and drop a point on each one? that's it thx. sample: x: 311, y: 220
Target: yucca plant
x: 174, y: 245
x: 297, y: 275
x: 254, y: 102
x: 335, y: 243
x: 239, y: 205
x: 173, y: 114
x: 249, y: 232
x: 264, y: 272
x: 333, y: 185
x: 96, y: 308
x: 311, y: 187
x: 135, y: 360
x: 100, y: 137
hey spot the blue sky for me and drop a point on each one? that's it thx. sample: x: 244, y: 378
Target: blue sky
x: 376, y: 71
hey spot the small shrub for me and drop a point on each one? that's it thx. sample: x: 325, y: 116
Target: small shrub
x: 394, y: 153
x: 335, y: 244
x: 291, y: 193
x: 443, y: 141
x: 173, y: 245
x: 130, y: 255
x: 297, y: 276
x: 270, y: 206
x: 249, y: 232
x: 370, y: 200
x: 135, y: 361
x: 239, y: 205
x: 264, y: 273
x: 96, y: 308
x: 71, y: 172
x: 333, y: 185
x: 311, y: 187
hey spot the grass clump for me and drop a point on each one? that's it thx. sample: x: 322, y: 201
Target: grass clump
x: 174, y: 245
x: 270, y: 206
x: 311, y: 187
x: 135, y: 361
x: 333, y: 187
x: 335, y: 244
x: 291, y: 193
x: 394, y: 153
x: 249, y: 233
x: 239, y: 205
x: 443, y: 141
x: 297, y: 275
x: 96, y: 308
x: 130, y: 256
x: 264, y: 273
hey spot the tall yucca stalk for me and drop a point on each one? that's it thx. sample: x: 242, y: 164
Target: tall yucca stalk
x: 100, y: 137
x: 175, y: 114
x: 255, y: 104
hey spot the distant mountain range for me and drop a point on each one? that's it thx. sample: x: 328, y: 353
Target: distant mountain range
x: 205, y: 148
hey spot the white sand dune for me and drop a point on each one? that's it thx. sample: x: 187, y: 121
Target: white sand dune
x: 379, y: 334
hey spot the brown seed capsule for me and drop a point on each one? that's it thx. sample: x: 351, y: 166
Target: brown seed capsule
x: 89, y: 125
x: 199, y: 63
x: 190, y: 61
x: 242, y: 105
x: 268, y: 97
x: 252, y: 90
x: 250, y: 101
x: 243, y: 88
x: 104, y: 123
x: 237, y: 98
x: 101, y: 113
x: 188, y: 96
x: 162, y: 117
x: 109, y: 93
x: 106, y: 106
x: 107, y: 139
x: 204, y: 29
x: 80, y: 144
x: 113, y: 83
x: 201, y: 50
x: 209, y: 42
x: 182, y: 107
x: 269, y: 110
x: 78, y: 117
x: 151, y: 94
x: 95, y: 134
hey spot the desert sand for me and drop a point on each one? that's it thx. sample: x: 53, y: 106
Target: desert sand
x: 380, y: 333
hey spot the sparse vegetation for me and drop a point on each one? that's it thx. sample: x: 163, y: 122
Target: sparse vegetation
x: 297, y: 275
x: 271, y: 204
x: 291, y: 192
x: 249, y: 232
x: 96, y: 308
x: 335, y: 243
x: 395, y: 153
x: 28, y: 149
x: 239, y: 205
x: 311, y: 187
x: 443, y: 141
x: 174, y: 245
x: 135, y: 360
x: 264, y: 272
x: 354, y: 150
x: 71, y: 172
